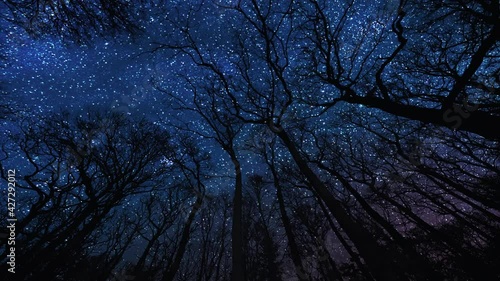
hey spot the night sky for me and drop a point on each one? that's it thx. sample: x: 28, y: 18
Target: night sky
x: 424, y: 188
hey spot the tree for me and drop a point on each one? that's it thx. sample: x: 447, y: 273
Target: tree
x: 335, y: 120
x: 460, y: 91
x: 269, y: 108
x: 261, y: 244
x: 193, y: 169
x: 75, y: 21
x: 81, y: 170
x: 211, y: 105
x: 287, y: 53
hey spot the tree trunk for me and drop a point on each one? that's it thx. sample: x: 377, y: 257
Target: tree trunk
x: 181, y: 250
x: 238, y: 269
x: 294, y: 249
x: 375, y: 256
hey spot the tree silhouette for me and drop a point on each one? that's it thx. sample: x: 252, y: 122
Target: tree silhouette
x: 287, y: 53
x: 311, y: 140
x: 82, y: 170
x: 75, y: 21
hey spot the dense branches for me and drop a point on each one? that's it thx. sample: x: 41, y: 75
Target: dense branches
x: 313, y: 140
x: 74, y: 21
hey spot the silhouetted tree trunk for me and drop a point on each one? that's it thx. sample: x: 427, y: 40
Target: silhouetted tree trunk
x: 169, y: 275
x: 238, y: 271
x: 347, y: 247
x: 291, y: 240
x: 376, y: 258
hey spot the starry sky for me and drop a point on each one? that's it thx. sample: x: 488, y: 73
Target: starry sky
x: 48, y: 73
x: 133, y: 74
x: 119, y: 74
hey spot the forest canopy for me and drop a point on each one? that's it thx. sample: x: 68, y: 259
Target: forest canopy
x: 262, y: 140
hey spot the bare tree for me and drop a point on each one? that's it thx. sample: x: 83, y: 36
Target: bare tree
x: 390, y: 62
x: 75, y: 21
x: 209, y: 101
x: 81, y: 170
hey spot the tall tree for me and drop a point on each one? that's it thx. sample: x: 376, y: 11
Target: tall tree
x: 81, y: 170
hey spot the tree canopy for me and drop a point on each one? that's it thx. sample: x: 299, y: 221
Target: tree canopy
x: 300, y: 140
